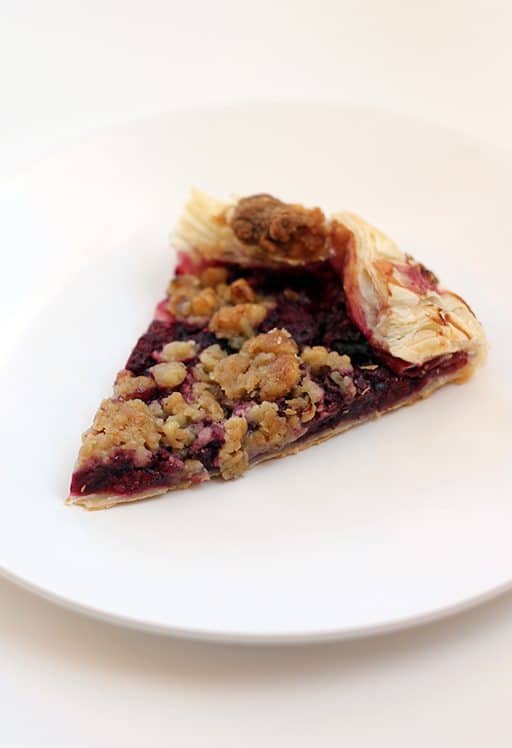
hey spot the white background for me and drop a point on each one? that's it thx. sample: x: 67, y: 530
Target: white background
x: 68, y: 69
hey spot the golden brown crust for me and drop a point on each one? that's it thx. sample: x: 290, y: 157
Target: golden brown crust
x: 256, y: 230
x: 280, y: 228
x: 105, y: 500
x: 398, y: 304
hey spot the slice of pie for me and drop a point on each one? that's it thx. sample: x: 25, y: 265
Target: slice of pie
x: 280, y: 329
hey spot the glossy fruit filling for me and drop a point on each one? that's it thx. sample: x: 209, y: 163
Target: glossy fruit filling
x: 120, y: 475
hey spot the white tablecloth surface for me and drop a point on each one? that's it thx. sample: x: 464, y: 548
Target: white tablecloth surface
x: 68, y: 69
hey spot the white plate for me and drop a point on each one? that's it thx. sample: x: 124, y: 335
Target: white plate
x: 395, y: 522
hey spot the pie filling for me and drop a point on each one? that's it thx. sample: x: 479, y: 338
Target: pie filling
x: 237, y: 364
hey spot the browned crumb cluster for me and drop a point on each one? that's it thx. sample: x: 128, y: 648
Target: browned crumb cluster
x: 280, y: 228
x: 127, y: 386
x: 237, y: 391
x: 239, y: 321
x: 233, y: 457
x: 263, y: 428
x: 266, y: 368
x: 233, y: 310
x: 118, y: 424
x: 253, y: 398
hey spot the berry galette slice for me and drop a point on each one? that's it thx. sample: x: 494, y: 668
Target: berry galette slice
x: 280, y: 328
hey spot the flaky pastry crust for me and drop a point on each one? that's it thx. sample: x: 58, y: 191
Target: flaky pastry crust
x: 257, y: 230
x: 394, y: 300
x: 398, y: 304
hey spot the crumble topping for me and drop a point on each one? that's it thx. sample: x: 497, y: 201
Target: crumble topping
x: 270, y: 429
x: 211, y: 356
x: 170, y: 374
x: 204, y: 405
x: 206, y: 399
x: 239, y: 321
x: 233, y: 458
x: 280, y: 228
x: 176, y: 436
x: 227, y: 407
x: 204, y: 303
x: 196, y: 471
x: 129, y: 386
x: 318, y: 356
x: 234, y: 310
x: 214, y: 276
x: 240, y: 292
x: 279, y: 342
x: 303, y: 402
x: 266, y: 368
x: 156, y: 408
x: 179, y: 350
x: 121, y: 424
x: 181, y: 292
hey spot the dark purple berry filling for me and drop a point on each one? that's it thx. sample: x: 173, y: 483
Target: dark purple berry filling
x: 159, y: 334
x: 376, y: 391
x: 120, y: 475
x: 310, y: 304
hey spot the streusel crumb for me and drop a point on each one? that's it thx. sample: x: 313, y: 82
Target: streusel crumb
x: 241, y: 292
x: 189, y: 300
x: 271, y: 428
x: 276, y: 341
x: 169, y: 374
x: 179, y: 350
x: 203, y: 406
x: 204, y: 303
x: 317, y: 357
x: 197, y: 300
x: 206, y: 401
x: 265, y: 368
x: 233, y: 459
x: 181, y: 291
x: 305, y: 397
x: 239, y: 320
x: 121, y: 424
x: 196, y: 468
x: 129, y: 386
x: 176, y: 436
x: 211, y: 356
x: 213, y: 276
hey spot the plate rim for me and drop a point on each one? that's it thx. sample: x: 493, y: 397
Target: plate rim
x: 225, y: 636
x: 241, y: 637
